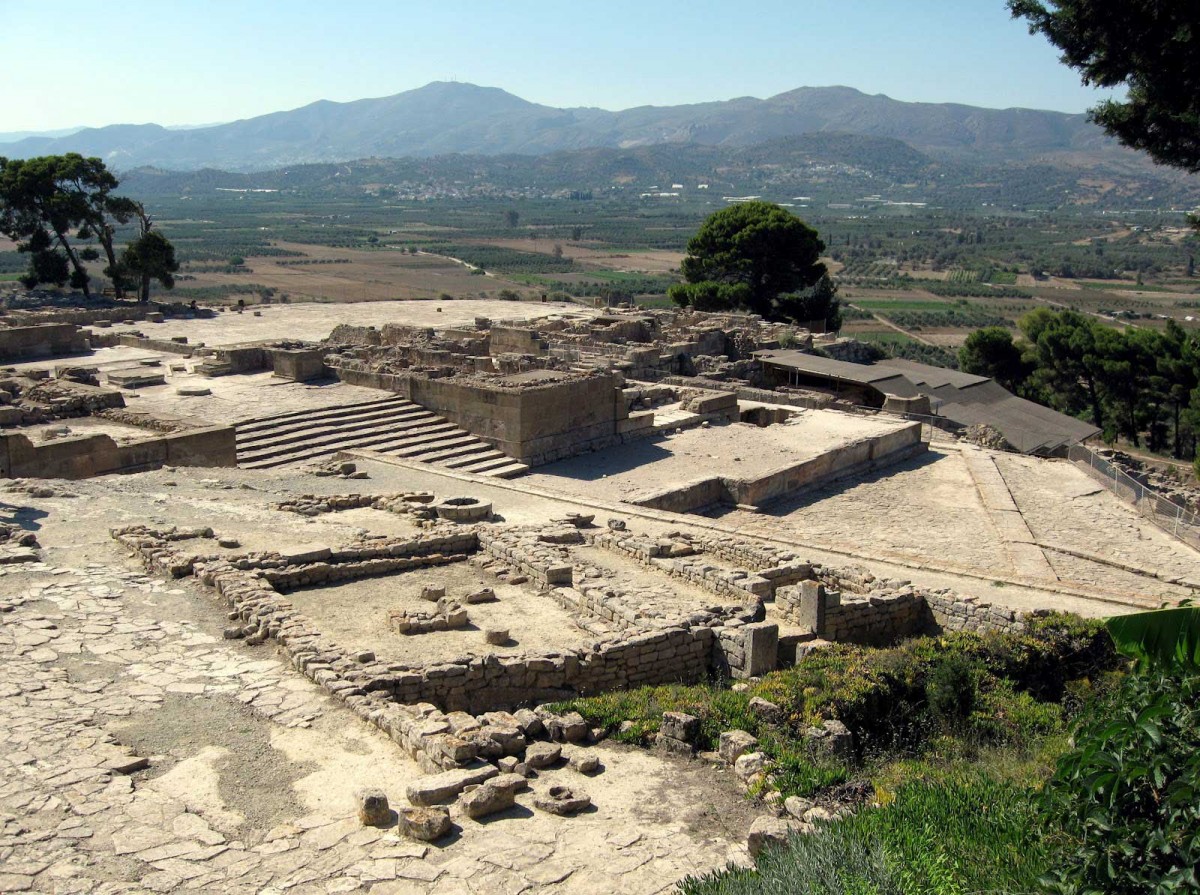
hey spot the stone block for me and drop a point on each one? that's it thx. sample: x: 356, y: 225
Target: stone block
x: 736, y: 743
x: 680, y: 726
x: 426, y: 824
x: 441, y: 789
x: 770, y: 832
x: 486, y: 799
x: 373, y: 809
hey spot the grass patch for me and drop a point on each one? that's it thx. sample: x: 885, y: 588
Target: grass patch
x: 965, y: 833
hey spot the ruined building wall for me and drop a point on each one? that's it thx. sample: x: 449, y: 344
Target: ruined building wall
x: 91, y: 455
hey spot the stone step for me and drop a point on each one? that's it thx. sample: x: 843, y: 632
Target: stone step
x: 327, y: 418
x: 418, y: 437
x: 511, y: 471
x: 391, y: 426
x: 270, y: 422
x: 419, y: 452
x: 449, y: 455
x: 332, y: 444
x: 480, y: 464
x: 297, y: 434
x: 375, y: 433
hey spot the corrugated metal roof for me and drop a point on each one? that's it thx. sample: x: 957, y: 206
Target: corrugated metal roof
x: 960, y: 397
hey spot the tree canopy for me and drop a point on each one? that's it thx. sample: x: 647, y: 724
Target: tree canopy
x: 51, y: 204
x: 758, y: 257
x: 990, y: 351
x: 1150, y: 47
x: 1136, y: 383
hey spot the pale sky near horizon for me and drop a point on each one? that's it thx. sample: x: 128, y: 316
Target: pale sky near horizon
x: 176, y: 62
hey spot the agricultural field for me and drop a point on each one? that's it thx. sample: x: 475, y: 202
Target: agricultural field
x: 927, y: 276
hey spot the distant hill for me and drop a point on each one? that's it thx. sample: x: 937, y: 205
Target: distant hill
x: 446, y: 118
x: 830, y: 166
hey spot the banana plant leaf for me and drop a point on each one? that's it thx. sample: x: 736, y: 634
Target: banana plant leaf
x: 1162, y: 638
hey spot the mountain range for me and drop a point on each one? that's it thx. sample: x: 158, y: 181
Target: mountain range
x: 454, y: 118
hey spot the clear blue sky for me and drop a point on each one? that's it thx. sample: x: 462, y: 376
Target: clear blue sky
x: 173, y: 62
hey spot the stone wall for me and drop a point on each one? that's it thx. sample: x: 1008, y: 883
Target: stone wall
x: 531, y: 422
x: 91, y: 455
x: 19, y: 343
x: 299, y: 365
x: 686, y: 498
x: 852, y: 459
x: 684, y: 652
x: 886, y: 616
x: 513, y: 340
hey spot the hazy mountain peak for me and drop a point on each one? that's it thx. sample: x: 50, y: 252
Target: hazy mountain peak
x: 457, y: 117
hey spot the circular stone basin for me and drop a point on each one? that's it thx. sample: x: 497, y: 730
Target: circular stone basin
x: 463, y: 509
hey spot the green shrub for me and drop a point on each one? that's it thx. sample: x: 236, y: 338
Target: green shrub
x: 951, y: 691
x: 979, y: 688
x: 1126, y: 800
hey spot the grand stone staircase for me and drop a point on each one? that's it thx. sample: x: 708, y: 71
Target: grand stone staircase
x: 390, y: 425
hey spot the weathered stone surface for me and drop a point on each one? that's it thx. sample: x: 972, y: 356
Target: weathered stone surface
x: 832, y: 738
x: 797, y: 807
x: 770, y: 832
x: 736, y: 743
x: 373, y: 808
x: 531, y: 725
x: 765, y: 709
x: 750, y: 764
x: 426, y: 824
x: 440, y: 789
x: 496, y: 636
x: 817, y: 814
x: 674, y: 746
x: 585, y: 763
x: 542, y: 755
x: 560, y: 799
x: 484, y: 595
x: 486, y: 799
x: 680, y: 726
x: 570, y: 728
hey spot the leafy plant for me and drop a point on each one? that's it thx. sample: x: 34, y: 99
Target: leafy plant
x: 1126, y: 800
x: 1163, y: 637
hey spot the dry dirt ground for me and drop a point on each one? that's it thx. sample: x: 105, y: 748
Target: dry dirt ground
x: 315, y: 320
x: 595, y: 255
x: 369, y: 276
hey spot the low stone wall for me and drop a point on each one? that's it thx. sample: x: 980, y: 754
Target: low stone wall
x: 91, y: 455
x: 548, y: 566
x: 679, y: 653
x: 852, y: 459
x: 675, y: 557
x: 887, y: 616
x: 687, y: 498
x: 135, y: 340
x: 43, y: 340
x: 514, y: 340
x: 954, y: 612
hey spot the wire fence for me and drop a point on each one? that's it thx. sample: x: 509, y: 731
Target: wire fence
x: 1171, y: 517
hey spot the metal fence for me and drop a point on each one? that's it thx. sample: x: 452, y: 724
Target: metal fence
x: 1171, y: 517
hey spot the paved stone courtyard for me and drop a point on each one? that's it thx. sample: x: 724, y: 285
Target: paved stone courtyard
x: 252, y: 790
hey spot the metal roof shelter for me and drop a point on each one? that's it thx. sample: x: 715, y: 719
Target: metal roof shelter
x: 959, y: 397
